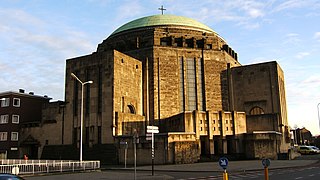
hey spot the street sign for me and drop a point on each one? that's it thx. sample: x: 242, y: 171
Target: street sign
x: 155, y: 131
x: 223, y: 162
x: 266, y: 162
x: 152, y: 129
x: 149, y: 136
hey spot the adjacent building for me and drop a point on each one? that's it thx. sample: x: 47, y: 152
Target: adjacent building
x: 19, y: 110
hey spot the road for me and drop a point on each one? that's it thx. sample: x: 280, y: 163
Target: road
x: 310, y: 172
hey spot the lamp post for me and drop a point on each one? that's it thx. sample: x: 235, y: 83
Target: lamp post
x: 318, y: 114
x: 81, y: 115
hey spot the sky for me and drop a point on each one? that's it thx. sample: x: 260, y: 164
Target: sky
x: 37, y: 36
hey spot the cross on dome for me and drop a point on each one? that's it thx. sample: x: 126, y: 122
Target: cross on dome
x: 162, y: 9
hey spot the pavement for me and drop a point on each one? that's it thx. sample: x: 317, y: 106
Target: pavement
x: 233, y: 166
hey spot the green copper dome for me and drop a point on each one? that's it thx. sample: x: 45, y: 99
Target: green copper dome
x: 160, y: 20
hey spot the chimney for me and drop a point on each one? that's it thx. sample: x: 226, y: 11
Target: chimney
x: 31, y: 93
x: 21, y: 90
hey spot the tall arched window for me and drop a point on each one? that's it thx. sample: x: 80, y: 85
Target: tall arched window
x: 256, y: 111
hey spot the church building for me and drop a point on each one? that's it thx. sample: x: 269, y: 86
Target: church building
x: 180, y: 75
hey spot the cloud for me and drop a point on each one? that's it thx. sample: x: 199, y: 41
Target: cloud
x: 317, y: 36
x: 291, y: 4
x: 291, y: 39
x: 301, y: 55
x: 33, y: 47
x: 313, y: 79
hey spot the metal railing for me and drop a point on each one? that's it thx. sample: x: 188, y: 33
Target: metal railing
x: 18, y: 166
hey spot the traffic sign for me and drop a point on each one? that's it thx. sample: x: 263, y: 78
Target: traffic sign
x: 148, y: 136
x: 266, y: 162
x: 152, y: 129
x: 223, y: 162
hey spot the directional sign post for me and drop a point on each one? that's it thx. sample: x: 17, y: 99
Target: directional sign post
x: 223, y: 162
x: 151, y: 130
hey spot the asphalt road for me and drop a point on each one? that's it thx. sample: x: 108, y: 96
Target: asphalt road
x: 311, y: 172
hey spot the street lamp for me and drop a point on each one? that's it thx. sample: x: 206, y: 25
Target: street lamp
x: 318, y: 114
x: 81, y: 115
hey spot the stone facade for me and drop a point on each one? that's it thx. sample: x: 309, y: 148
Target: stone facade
x: 183, y: 77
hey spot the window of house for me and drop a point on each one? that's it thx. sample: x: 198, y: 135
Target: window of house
x: 16, y: 102
x: 15, y: 119
x: 214, y: 128
x: 3, y: 136
x: 256, y: 111
x: 5, y: 102
x: 14, y: 136
x: 4, y: 119
x: 209, y: 46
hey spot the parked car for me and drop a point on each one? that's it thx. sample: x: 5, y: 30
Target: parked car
x: 307, y: 150
x: 4, y: 176
x: 316, y: 149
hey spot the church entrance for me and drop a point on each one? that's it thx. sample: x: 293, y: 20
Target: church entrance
x: 204, y: 146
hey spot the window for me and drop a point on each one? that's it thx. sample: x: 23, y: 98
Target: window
x: 256, y: 111
x: 15, y: 119
x: 4, y: 119
x: 191, y: 85
x: 5, y: 102
x: 14, y: 136
x: 190, y: 42
x: 132, y: 109
x: 16, y: 102
x: 200, y: 84
x: 181, y: 89
x: 165, y: 41
x: 3, y: 136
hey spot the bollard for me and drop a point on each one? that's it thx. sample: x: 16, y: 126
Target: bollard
x: 266, y: 164
x: 266, y: 174
x: 225, y: 175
